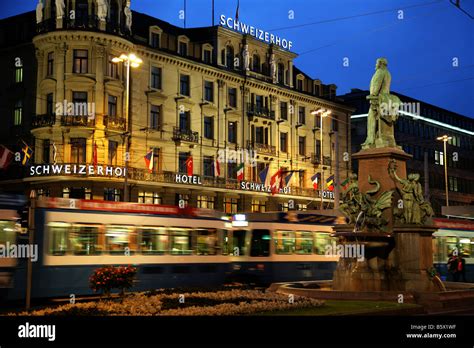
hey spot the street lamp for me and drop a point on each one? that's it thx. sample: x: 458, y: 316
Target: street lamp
x: 322, y: 113
x: 133, y: 61
x: 445, y: 139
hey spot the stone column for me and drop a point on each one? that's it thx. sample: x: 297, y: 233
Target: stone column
x: 60, y: 60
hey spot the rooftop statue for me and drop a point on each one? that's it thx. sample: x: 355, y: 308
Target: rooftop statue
x: 39, y: 11
x: 383, y: 112
x: 246, y: 57
x: 60, y: 8
x: 128, y: 16
x: 102, y: 7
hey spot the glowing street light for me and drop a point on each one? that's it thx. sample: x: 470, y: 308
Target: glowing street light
x: 445, y: 139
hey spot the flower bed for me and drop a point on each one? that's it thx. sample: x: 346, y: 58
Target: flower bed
x: 233, y: 302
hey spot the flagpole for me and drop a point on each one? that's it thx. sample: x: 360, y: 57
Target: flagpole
x: 184, y: 13
x: 213, y: 13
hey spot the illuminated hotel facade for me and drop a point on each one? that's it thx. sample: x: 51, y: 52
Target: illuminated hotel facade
x: 192, y: 96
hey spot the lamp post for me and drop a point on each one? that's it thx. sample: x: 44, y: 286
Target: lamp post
x: 133, y: 61
x: 445, y: 139
x: 323, y: 113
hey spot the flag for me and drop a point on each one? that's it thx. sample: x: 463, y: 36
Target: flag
x: 288, y: 178
x: 27, y: 152
x: 315, y: 180
x: 275, y: 182
x: 55, y: 152
x: 94, y: 155
x: 345, y: 184
x: 189, y: 165
x: 330, y: 183
x: 237, y: 11
x: 263, y: 175
x: 149, y: 160
x: 217, y: 168
x: 6, y: 157
x: 240, y: 172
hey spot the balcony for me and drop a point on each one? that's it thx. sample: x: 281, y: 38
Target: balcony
x: 82, y: 22
x: 260, y: 111
x: 185, y: 135
x: 43, y: 121
x: 327, y: 161
x: 79, y: 121
x: 115, y: 123
x: 315, y: 158
x: 262, y: 149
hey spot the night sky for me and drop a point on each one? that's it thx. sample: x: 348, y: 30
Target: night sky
x: 420, y: 48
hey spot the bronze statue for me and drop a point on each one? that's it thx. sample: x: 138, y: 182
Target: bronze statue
x: 383, y: 112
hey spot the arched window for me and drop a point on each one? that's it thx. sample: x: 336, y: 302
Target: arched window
x: 229, y: 57
x: 281, y: 73
x: 256, y: 63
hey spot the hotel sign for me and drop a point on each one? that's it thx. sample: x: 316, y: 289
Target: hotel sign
x: 253, y: 186
x: 188, y: 179
x: 76, y: 169
x: 255, y: 32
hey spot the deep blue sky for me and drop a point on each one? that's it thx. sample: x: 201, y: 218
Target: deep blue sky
x: 420, y: 48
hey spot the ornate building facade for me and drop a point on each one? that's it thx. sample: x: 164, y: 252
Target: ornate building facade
x: 202, y: 102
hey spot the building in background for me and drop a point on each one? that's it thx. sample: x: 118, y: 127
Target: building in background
x: 195, y: 109
x: 416, y: 131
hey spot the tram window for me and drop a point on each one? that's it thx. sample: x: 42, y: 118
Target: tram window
x: 450, y: 243
x: 465, y: 246
x: 284, y: 242
x: 85, y: 240
x: 260, y: 243
x: 304, y: 242
x: 7, y: 232
x: 118, y: 238
x: 180, y: 241
x: 321, y: 240
x: 153, y: 240
x: 224, y: 242
x: 206, y: 240
x: 58, y: 232
x: 238, y: 243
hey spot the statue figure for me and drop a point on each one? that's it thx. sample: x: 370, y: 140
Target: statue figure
x: 60, y: 8
x: 102, y: 8
x: 39, y: 11
x: 273, y: 69
x: 415, y: 210
x: 357, y: 205
x: 128, y: 16
x: 383, y: 112
x: 246, y: 57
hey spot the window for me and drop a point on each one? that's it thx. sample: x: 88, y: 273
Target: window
x: 284, y: 111
x: 85, y: 240
x: 283, y: 142
x: 155, y: 40
x: 50, y: 104
x: 260, y: 243
x: 284, y: 242
x: 208, y: 127
x: 231, y: 205
x: 232, y: 133
x: 156, y: 160
x: 302, y: 146
x: 299, y: 85
x: 439, y: 158
x: 238, y: 241
x: 207, y: 57
x: 304, y: 243
x: 229, y: 57
x: 149, y: 197
x: 112, y: 194
x: 155, y: 77
x: 184, y: 198
x: 184, y: 85
x: 77, y: 192
x: 153, y: 240
x: 155, y: 117
x: 209, y: 91
x: 180, y: 241
x: 301, y: 207
x: 256, y: 63
x: 281, y: 73
x: 301, y: 115
x: 321, y: 240
x: 232, y: 97
x: 80, y: 62
x: 58, y: 238
x: 185, y: 121
x: 78, y: 150
x: 183, y: 157
x: 18, y: 113
x: 113, y: 146
x: 334, y: 125
x: 79, y: 100
x: 232, y: 171
x: 183, y: 49
x: 46, y: 150
x: 18, y: 74
x: 206, y: 242
x: 118, y: 238
x: 284, y: 206
x: 258, y: 206
x: 50, y: 68
x: 453, y: 183
x: 205, y: 202
x: 112, y: 106
x: 113, y: 68
x: 208, y: 168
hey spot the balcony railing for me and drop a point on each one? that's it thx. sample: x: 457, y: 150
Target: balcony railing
x: 185, y: 135
x: 80, y: 121
x: 263, y: 149
x: 83, y: 22
x: 115, y: 123
x: 46, y: 25
x: 315, y: 158
x: 43, y: 121
x: 260, y: 111
x: 327, y: 161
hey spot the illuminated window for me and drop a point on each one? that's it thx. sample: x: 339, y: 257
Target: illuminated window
x: 206, y: 242
x: 302, y: 207
x: 18, y: 74
x: 58, y: 238
x: 148, y: 197
x: 180, y: 241
x: 321, y: 240
x: 284, y: 206
x: 231, y: 205
x: 206, y: 202
x: 118, y: 238
x: 304, y: 242
x: 80, y: 61
x: 18, y: 113
x: 284, y: 242
x: 7, y: 232
x: 182, y: 197
x: 439, y: 158
x: 85, y: 240
x: 258, y: 206
x: 153, y: 240
x: 112, y: 194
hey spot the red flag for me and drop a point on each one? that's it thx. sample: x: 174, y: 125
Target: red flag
x: 6, y: 157
x: 149, y: 161
x: 189, y: 165
x: 217, y: 168
x: 275, y: 182
x: 94, y: 155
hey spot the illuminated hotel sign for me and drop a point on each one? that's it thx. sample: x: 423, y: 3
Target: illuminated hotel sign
x: 255, y: 32
x: 327, y: 194
x: 188, y: 179
x: 76, y: 169
x: 253, y: 186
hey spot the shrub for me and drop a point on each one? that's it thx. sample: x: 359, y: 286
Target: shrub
x: 109, y: 277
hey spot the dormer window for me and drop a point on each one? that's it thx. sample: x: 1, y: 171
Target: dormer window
x: 281, y: 73
x: 256, y: 63
x: 155, y: 37
x: 207, y: 54
x: 299, y: 83
x: 229, y: 57
x: 317, y: 89
x: 183, y: 45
